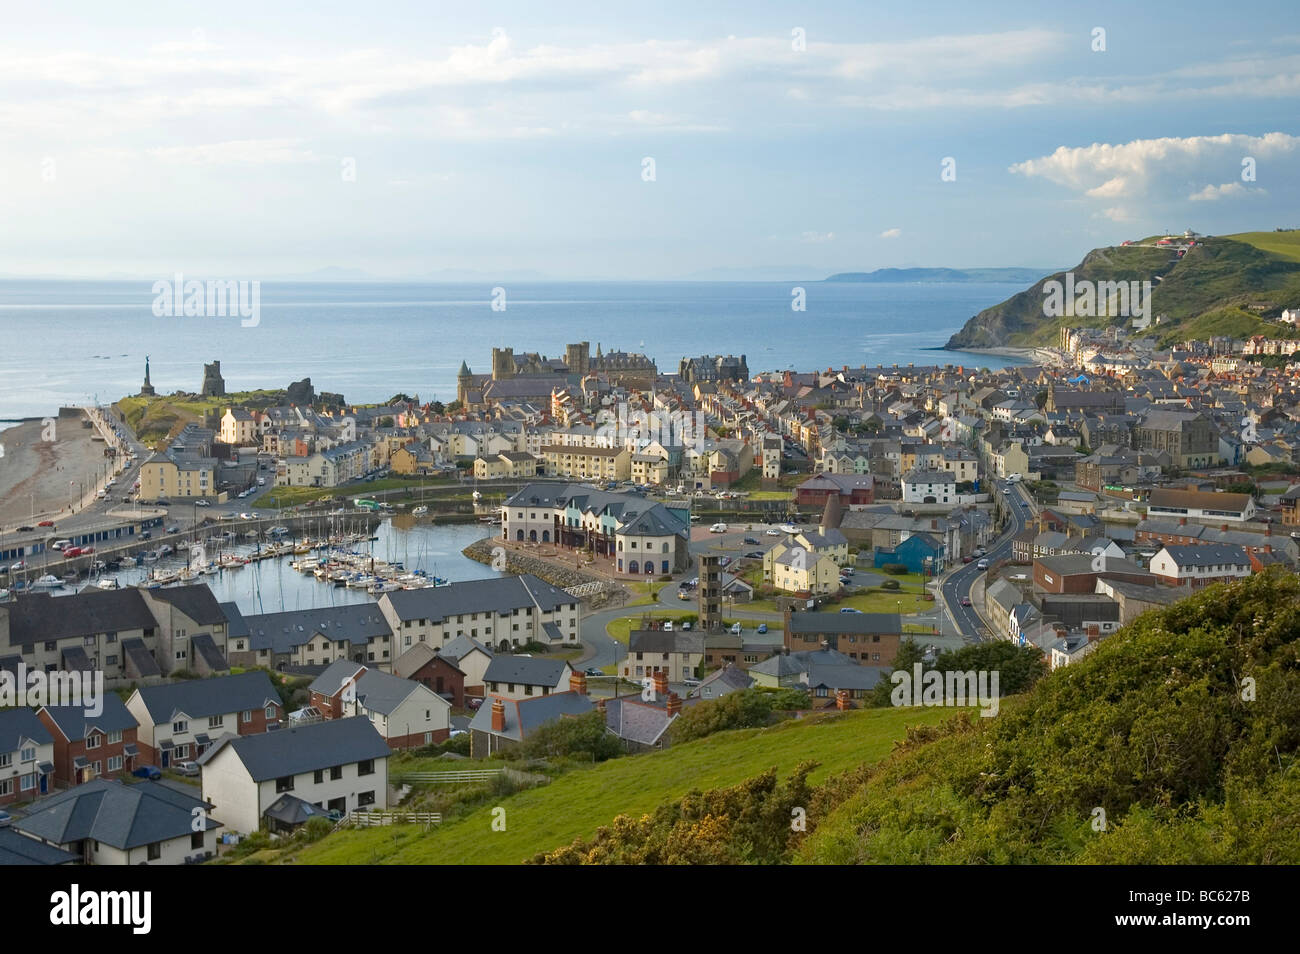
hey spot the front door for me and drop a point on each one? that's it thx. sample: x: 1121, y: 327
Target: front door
x: 166, y: 757
x: 45, y: 783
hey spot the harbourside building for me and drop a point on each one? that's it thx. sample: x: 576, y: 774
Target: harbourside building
x: 641, y: 537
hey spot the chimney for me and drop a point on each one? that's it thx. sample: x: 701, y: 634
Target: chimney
x: 578, y: 683
x: 1182, y: 521
x: 1223, y: 528
x: 842, y: 700
x: 660, y: 679
x: 674, y: 705
x: 600, y: 706
x: 498, y: 715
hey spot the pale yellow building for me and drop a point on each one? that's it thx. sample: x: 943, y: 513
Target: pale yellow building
x: 586, y: 463
x: 167, y: 477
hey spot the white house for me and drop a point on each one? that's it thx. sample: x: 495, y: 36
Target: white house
x: 339, y: 765
x: 1200, y: 564
x: 26, y: 756
x: 930, y: 487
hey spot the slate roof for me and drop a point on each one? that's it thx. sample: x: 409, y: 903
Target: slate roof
x: 195, y: 601
x: 282, y: 632
x: 635, y: 721
x: 292, y: 810
x: 1207, y: 554
x: 840, y: 676
x: 19, y: 724
x: 722, y: 681
x: 526, y: 670
x: 121, y: 816
x: 494, y: 595
x: 75, y: 723
x: 139, y: 654
x: 307, y: 748
x: 200, y: 698
x: 663, y: 641
x: 40, y: 617
x: 460, y: 647
x: 871, y: 624
x: 334, y: 675
x: 16, y: 849
x: 206, y: 648
x: 525, y: 716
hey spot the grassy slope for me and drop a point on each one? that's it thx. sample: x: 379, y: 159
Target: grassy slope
x: 1203, y: 294
x: 578, y: 803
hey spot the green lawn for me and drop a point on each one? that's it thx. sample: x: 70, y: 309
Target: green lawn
x: 576, y: 804
x: 1282, y: 244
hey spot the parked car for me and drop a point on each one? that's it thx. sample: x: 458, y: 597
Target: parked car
x: 147, y: 771
x: 683, y: 594
x: 772, y: 532
x: 202, y: 503
x: 146, y: 535
x: 718, y: 528
x: 754, y: 555
x: 26, y: 529
x: 46, y: 523
x: 668, y: 626
x: 186, y: 768
x: 5, y: 818
x: 736, y: 629
x: 762, y: 627
x: 173, y: 529
x: 751, y: 541
x: 592, y: 671
x: 686, y: 626
x: 474, y: 702
x: 967, y: 558
x: 59, y: 544
x: 849, y: 609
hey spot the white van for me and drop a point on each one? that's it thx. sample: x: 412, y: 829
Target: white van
x: 718, y: 528
x: 1014, y: 478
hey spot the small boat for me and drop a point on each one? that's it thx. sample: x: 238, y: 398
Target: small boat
x: 419, y: 511
x: 151, y: 556
x: 278, y: 531
x: 384, y: 586
x: 109, y: 583
x: 47, y: 582
x: 166, y: 549
x: 360, y: 582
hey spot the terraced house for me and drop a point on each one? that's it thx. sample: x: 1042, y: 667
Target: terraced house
x: 26, y: 756
x: 502, y: 613
x: 181, y: 721
x: 314, y: 637
x: 131, y: 635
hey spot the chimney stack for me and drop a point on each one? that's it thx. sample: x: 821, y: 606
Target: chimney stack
x: 1182, y: 521
x: 674, y: 704
x: 842, y: 700
x: 600, y: 706
x: 1223, y: 528
x: 578, y: 683
x: 498, y: 715
x: 660, y: 679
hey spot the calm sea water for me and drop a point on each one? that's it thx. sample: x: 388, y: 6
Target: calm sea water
x: 70, y: 342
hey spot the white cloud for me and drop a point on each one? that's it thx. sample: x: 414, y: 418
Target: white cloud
x: 891, y: 233
x: 1212, y: 192
x: 817, y: 238
x: 1156, y: 169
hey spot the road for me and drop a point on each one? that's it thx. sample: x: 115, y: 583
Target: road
x: 956, y: 586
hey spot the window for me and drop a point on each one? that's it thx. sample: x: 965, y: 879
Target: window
x: 49, y: 647
x: 6, y: 760
x: 196, y: 840
x: 27, y: 783
x: 366, y: 768
x: 94, y: 740
x: 246, y: 715
x: 180, y: 725
x: 284, y: 784
x: 88, y: 641
x: 154, y: 851
x: 365, y: 798
x: 110, y: 637
x: 110, y: 661
x: 270, y: 712
x: 319, y: 777
x: 115, y: 763
x: 215, y: 722
x: 336, y: 773
x: 6, y: 786
x: 182, y: 751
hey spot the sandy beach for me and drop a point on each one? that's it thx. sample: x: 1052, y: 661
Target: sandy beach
x: 35, y: 473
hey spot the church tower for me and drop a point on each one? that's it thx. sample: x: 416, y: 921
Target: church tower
x: 462, y: 382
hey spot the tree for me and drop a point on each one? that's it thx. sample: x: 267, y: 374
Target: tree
x: 573, y: 736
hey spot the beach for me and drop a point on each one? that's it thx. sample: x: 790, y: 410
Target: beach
x: 35, y: 472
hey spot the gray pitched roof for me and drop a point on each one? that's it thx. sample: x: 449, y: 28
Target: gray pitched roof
x: 40, y: 617
x: 334, y: 675
x: 302, y: 749
x: 19, y: 724
x: 495, y: 595
x: 1208, y: 554
x: 76, y: 724
x: 381, y: 692
x: 870, y: 624
x: 525, y: 716
x: 630, y: 719
x: 662, y: 641
x: 199, y: 698
x: 353, y: 623
x: 16, y: 849
x: 195, y: 601
x: 460, y: 647
x: 528, y: 670
x: 122, y: 816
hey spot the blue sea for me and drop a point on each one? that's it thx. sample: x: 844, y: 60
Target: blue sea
x: 73, y: 342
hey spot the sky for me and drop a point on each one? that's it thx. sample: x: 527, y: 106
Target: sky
x: 614, y: 141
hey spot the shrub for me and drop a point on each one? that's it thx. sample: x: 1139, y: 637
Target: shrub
x: 889, y: 585
x: 895, y: 569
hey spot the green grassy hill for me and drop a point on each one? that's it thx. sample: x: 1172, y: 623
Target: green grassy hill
x: 1158, y: 729
x: 577, y: 803
x: 1209, y: 291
